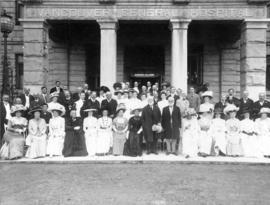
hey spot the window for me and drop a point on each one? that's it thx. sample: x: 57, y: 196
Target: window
x: 19, y: 71
x: 19, y: 11
x: 268, y: 73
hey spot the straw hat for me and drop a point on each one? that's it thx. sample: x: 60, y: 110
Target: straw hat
x: 57, y: 107
x: 264, y: 110
x: 17, y: 108
x: 139, y: 108
x: 230, y: 108
x: 54, y: 94
x: 208, y: 94
x: 35, y: 109
x: 245, y: 110
x: 120, y: 107
x: 117, y: 92
x: 90, y: 110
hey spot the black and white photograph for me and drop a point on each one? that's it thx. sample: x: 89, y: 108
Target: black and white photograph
x: 134, y: 102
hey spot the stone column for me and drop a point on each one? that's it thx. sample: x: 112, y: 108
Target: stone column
x: 35, y: 51
x: 179, y: 53
x: 108, y: 52
x: 253, y: 56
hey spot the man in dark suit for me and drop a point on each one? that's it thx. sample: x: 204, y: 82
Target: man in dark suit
x: 57, y: 88
x: 26, y: 98
x: 3, y: 114
x: 110, y: 104
x: 91, y: 102
x: 221, y: 105
x: 262, y: 102
x: 44, y: 96
x: 151, y: 120
x: 246, y: 103
x: 171, y: 123
x: 231, y: 99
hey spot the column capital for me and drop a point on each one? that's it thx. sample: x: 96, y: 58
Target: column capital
x: 108, y: 24
x: 255, y: 23
x: 34, y: 23
x: 179, y: 24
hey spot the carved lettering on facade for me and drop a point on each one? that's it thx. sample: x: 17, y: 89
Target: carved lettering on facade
x: 140, y: 13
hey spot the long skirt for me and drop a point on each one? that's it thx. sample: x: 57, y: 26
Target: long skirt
x: 13, y: 146
x: 55, y: 145
x: 133, y: 145
x: 220, y: 141
x: 234, y: 147
x: 265, y: 144
x: 74, y: 144
x: 189, y: 144
x: 119, y: 140
x: 91, y: 142
x: 205, y: 142
x: 103, y: 141
x: 37, y: 146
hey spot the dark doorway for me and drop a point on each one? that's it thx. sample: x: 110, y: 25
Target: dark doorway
x: 93, y: 66
x: 144, y: 63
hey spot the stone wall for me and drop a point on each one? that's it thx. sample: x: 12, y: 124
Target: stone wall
x: 58, y: 58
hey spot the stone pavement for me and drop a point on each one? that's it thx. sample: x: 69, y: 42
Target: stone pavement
x: 161, y: 158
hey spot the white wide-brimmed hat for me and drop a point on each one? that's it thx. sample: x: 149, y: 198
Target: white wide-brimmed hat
x: 230, y: 108
x: 264, y: 110
x: 190, y: 112
x: 17, y: 108
x: 57, y: 107
x: 208, y: 94
x: 54, y: 94
x: 137, y: 107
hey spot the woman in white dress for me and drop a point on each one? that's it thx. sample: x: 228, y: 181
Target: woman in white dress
x: 218, y: 131
x: 234, y: 147
x: 191, y: 131
x: 90, y: 126
x: 249, y: 138
x: 263, y: 130
x: 37, y: 137
x: 54, y: 102
x: 207, y: 100
x: 14, y: 138
x: 57, y: 133
x: 205, y: 136
x: 104, y: 139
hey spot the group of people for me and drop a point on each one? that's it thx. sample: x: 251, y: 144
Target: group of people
x: 132, y: 119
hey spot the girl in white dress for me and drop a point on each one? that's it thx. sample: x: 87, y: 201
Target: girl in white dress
x: 263, y: 129
x: 90, y: 125
x: 104, y: 139
x: 218, y: 129
x: 57, y: 133
x: 205, y: 136
x: 37, y: 137
x: 234, y: 147
x: 191, y: 131
x: 249, y: 138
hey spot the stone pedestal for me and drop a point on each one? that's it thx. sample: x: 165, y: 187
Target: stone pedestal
x: 35, y: 51
x: 179, y: 57
x: 253, y: 56
x: 108, y: 53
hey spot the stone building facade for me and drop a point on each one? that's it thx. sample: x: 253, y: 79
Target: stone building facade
x: 185, y: 42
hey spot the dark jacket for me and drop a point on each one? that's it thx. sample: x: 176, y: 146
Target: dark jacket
x: 246, y: 105
x: 46, y: 116
x: 54, y: 90
x: 171, y: 123
x: 149, y: 118
x: 2, y: 121
x: 257, y: 107
x: 90, y: 104
x: 234, y: 101
x: 23, y: 98
x: 111, y: 106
